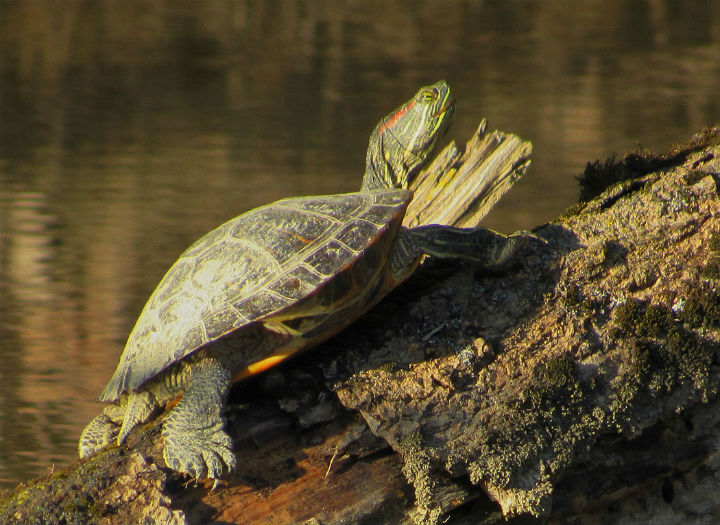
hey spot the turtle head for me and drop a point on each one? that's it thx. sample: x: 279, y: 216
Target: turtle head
x: 403, y: 141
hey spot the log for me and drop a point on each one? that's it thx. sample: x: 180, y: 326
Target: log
x: 578, y: 385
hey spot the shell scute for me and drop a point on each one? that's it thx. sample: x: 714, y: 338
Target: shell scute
x: 282, y: 231
x: 297, y: 283
x: 194, y: 337
x: 262, y: 303
x: 338, y: 211
x: 355, y: 234
x: 330, y: 257
x: 217, y: 321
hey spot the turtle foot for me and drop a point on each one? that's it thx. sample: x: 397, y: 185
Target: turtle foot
x: 101, y: 431
x: 195, y: 442
x: 199, y: 452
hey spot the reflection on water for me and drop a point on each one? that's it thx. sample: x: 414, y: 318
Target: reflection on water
x: 129, y: 129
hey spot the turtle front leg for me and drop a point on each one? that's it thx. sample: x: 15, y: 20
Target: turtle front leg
x: 195, y: 441
x: 479, y: 245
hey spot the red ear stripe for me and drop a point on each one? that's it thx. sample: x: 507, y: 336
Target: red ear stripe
x: 390, y: 122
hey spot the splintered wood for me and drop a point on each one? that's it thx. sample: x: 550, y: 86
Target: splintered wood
x: 460, y: 186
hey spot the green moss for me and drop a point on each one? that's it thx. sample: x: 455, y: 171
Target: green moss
x: 556, y: 391
x: 388, y: 367
x: 645, y: 357
x: 624, y: 399
x: 555, y: 417
x: 417, y: 468
x: 693, y: 358
x: 694, y: 176
x: 600, y: 175
x: 657, y: 321
x: 628, y: 315
x: 714, y: 243
x: 572, y: 299
x: 702, y: 308
x: 711, y: 270
x: 574, y: 302
x: 412, y: 441
x: 642, y: 320
x: 664, y: 352
x: 58, y: 474
x: 651, y: 370
x: 707, y: 137
x: 561, y: 372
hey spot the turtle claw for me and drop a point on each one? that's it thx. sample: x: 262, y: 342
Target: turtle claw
x: 199, y: 453
x: 214, y: 462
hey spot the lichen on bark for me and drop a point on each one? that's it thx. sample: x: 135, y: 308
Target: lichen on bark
x: 626, y: 333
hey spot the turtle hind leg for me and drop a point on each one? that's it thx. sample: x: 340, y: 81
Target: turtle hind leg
x: 195, y: 441
x: 140, y: 408
x: 102, y: 430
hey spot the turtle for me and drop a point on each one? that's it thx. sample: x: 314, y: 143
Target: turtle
x: 273, y: 281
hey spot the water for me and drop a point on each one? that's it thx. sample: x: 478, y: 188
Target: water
x: 128, y: 129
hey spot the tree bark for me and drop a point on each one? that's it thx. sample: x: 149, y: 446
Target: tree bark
x: 579, y: 385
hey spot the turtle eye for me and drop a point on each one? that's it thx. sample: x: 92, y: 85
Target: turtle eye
x: 428, y: 95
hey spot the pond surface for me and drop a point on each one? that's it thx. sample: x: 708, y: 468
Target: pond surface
x: 128, y: 129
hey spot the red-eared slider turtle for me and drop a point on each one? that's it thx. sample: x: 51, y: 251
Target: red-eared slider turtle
x: 274, y: 281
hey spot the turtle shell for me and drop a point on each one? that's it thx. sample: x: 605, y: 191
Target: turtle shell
x: 253, y: 267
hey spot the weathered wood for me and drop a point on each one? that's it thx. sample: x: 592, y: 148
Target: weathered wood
x: 580, y: 384
x: 610, y: 328
x: 459, y: 187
